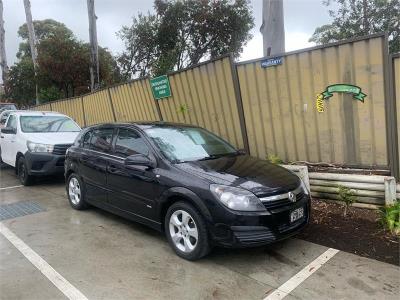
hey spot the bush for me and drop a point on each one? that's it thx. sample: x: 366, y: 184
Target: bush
x: 274, y: 159
x: 346, y: 195
x: 390, y: 217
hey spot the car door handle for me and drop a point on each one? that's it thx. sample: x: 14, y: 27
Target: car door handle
x: 112, y: 169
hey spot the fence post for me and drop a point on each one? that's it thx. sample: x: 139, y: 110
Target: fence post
x: 236, y: 87
x: 390, y: 111
x: 390, y: 190
x: 51, y: 107
x: 83, y: 112
x: 111, y: 104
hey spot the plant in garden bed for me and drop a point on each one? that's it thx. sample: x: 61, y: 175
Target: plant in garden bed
x: 346, y: 195
x: 274, y: 159
x: 390, y: 217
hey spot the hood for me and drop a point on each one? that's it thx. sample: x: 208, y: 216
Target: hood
x: 256, y: 175
x: 52, y: 138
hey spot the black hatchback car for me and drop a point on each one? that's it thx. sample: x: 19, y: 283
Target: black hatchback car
x: 187, y: 182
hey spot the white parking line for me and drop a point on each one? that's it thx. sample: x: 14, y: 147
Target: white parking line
x: 11, y: 187
x: 60, y: 282
x: 306, y: 272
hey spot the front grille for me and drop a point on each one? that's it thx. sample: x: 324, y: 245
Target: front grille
x: 61, y: 149
x: 283, y: 202
x: 255, y: 237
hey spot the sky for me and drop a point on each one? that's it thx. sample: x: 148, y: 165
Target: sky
x: 301, y: 19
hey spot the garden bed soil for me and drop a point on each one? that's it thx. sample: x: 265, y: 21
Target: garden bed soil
x: 359, y: 233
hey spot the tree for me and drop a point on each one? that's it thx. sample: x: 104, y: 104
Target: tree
x: 63, y: 65
x: 361, y: 17
x: 21, y: 82
x: 182, y: 33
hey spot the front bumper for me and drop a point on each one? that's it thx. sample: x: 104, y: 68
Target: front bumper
x: 44, y: 163
x: 257, y: 229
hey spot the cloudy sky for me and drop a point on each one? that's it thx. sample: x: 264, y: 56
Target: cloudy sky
x: 301, y: 18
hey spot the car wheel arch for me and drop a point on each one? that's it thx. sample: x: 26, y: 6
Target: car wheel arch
x: 177, y: 194
x: 17, y: 157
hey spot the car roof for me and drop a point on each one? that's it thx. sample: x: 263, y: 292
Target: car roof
x: 143, y: 124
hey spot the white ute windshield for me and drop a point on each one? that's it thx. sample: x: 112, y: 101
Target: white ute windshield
x: 30, y: 124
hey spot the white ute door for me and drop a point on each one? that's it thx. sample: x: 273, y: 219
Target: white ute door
x: 8, y: 142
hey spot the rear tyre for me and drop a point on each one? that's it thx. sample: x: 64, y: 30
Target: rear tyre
x: 186, y: 231
x: 22, y: 172
x: 76, y: 192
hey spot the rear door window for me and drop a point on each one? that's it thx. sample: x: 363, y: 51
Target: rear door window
x: 101, y: 140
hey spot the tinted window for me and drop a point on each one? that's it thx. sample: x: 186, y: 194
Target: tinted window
x: 129, y: 143
x: 86, y: 139
x: 12, y: 122
x: 101, y: 140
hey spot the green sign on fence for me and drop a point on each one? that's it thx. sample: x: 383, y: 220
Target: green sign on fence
x: 344, y: 88
x: 160, y: 87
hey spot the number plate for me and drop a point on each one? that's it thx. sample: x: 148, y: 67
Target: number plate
x: 297, y: 214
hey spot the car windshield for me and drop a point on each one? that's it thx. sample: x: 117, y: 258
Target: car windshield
x: 181, y: 144
x: 4, y: 107
x: 48, y: 124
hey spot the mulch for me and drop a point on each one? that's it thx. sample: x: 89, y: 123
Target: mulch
x: 359, y: 232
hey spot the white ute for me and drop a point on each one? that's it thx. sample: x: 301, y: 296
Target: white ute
x: 35, y: 143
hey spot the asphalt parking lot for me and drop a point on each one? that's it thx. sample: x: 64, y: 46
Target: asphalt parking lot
x: 58, y: 253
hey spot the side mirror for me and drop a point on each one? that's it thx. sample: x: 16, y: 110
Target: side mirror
x: 139, y: 160
x: 242, y: 151
x: 8, y: 130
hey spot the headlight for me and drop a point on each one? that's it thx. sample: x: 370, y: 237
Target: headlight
x: 37, y: 147
x: 236, y: 198
x: 305, y: 189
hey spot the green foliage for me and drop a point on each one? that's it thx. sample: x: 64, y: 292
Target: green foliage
x: 50, y: 94
x: 63, y: 65
x: 347, y: 196
x: 183, y: 108
x: 274, y: 159
x: 361, y: 17
x: 21, y: 82
x: 390, y: 217
x: 182, y: 33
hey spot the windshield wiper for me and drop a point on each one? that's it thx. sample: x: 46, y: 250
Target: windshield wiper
x: 215, y: 156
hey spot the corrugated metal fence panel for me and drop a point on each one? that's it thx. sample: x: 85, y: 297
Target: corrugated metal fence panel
x: 98, y: 108
x: 396, y: 84
x: 72, y: 108
x: 280, y: 110
x: 42, y: 107
x: 133, y: 101
x: 207, y: 92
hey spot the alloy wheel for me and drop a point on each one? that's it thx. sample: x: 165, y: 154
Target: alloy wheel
x: 74, y: 191
x: 183, y: 231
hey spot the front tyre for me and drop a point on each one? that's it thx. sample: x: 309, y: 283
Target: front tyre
x: 186, y: 231
x: 75, y: 192
x: 22, y: 171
